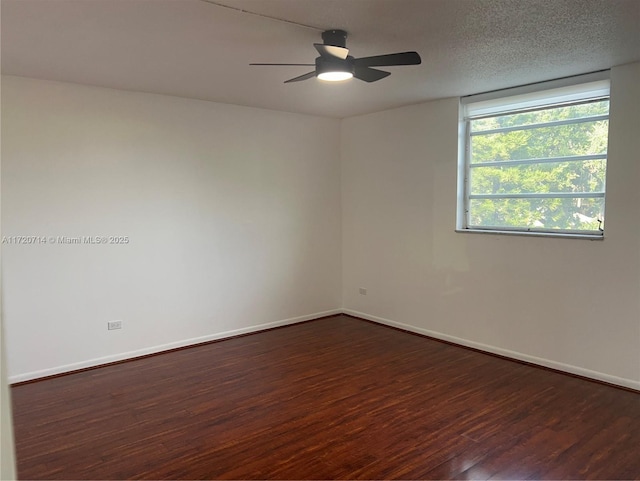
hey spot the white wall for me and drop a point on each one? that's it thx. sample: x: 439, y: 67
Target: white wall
x: 233, y: 216
x: 7, y: 448
x: 234, y: 219
x: 568, y: 304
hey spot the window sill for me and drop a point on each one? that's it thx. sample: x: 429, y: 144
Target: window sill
x: 561, y: 235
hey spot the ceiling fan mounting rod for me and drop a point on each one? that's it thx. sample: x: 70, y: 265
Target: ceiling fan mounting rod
x: 337, y: 38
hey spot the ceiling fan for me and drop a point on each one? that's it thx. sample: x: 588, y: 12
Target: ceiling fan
x: 335, y: 63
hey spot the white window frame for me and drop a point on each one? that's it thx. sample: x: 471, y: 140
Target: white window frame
x: 568, y: 91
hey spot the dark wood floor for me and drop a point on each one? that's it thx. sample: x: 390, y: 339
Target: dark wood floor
x: 336, y: 398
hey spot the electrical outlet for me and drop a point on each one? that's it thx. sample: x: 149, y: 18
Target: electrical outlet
x: 111, y: 325
x: 363, y: 291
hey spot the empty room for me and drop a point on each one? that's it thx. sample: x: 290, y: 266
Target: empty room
x: 320, y: 239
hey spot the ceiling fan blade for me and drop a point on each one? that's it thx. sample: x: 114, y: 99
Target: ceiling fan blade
x: 369, y: 74
x: 331, y: 50
x: 389, y: 60
x: 286, y: 64
x: 301, y: 77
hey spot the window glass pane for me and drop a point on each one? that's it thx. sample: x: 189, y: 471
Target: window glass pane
x: 600, y: 107
x: 551, y: 214
x: 575, y: 176
x: 532, y: 172
x: 584, y: 138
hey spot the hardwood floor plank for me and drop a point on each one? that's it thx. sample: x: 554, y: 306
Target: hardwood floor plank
x: 336, y: 398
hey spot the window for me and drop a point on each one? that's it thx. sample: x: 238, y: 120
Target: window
x: 534, y: 159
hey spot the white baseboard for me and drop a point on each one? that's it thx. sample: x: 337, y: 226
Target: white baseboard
x: 619, y: 381
x: 29, y: 376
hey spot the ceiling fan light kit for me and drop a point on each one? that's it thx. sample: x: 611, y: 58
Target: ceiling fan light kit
x: 335, y: 63
x: 333, y: 70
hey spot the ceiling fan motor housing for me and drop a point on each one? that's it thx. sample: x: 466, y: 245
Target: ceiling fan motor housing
x: 337, y: 38
x: 333, y: 64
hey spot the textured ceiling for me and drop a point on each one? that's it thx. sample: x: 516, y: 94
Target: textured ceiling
x: 192, y: 48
